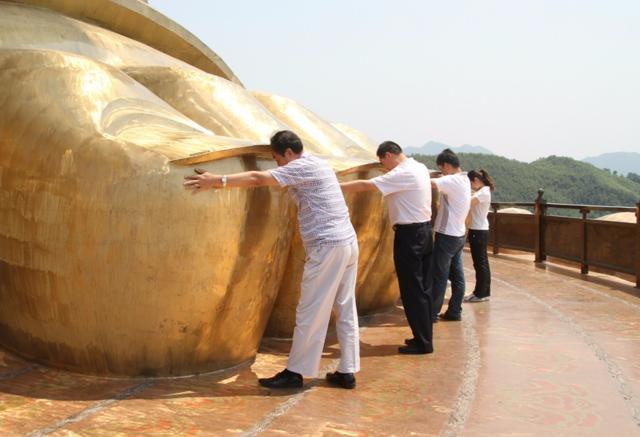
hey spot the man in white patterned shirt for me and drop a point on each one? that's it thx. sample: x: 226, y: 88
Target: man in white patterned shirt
x: 330, y: 269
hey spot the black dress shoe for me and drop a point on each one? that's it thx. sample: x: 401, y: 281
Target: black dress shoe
x: 414, y: 349
x: 284, y: 379
x: 344, y: 380
x: 449, y: 318
x: 409, y: 341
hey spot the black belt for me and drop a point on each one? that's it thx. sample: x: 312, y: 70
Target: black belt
x: 410, y: 225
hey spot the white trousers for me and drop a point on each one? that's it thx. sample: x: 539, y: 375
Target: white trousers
x: 328, y: 281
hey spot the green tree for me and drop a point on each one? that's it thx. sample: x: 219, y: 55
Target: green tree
x: 635, y: 177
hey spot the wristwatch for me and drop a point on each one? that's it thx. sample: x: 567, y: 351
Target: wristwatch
x: 223, y: 180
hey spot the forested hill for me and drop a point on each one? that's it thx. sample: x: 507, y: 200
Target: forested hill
x: 564, y: 180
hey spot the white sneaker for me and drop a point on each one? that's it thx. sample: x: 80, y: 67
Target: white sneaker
x: 472, y: 298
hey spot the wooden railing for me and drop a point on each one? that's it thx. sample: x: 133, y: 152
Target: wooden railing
x: 609, y: 245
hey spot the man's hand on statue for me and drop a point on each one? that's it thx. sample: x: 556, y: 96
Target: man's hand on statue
x: 202, y: 181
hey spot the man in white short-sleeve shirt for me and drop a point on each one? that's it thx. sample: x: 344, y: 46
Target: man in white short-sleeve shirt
x: 455, y: 199
x: 330, y: 270
x: 407, y: 191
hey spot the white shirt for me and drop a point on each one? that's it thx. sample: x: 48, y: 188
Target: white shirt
x: 323, y: 215
x: 479, y: 211
x: 455, y: 200
x: 407, y: 190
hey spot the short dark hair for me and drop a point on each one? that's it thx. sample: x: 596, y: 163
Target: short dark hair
x: 447, y: 156
x: 388, y: 146
x: 285, y: 139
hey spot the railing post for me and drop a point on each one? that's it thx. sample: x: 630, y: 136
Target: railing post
x: 584, y: 264
x: 638, y: 245
x: 496, y: 249
x: 539, y: 237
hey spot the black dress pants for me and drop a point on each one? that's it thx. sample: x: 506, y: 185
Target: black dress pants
x: 478, y: 242
x: 412, y: 247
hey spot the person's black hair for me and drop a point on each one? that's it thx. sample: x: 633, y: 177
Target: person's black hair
x: 388, y: 146
x: 483, y: 176
x: 285, y: 139
x: 447, y: 156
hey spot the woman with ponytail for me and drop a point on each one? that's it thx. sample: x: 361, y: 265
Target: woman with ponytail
x: 482, y: 185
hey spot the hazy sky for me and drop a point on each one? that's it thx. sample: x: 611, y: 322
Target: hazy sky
x: 523, y: 78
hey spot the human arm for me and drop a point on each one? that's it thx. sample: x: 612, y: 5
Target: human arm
x: 359, y: 185
x: 439, y: 182
x: 483, y: 195
x: 202, y: 180
x: 396, y: 180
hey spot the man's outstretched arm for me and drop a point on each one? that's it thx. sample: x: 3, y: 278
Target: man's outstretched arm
x: 202, y: 180
x: 359, y: 185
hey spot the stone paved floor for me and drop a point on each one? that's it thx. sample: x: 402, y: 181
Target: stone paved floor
x: 551, y: 354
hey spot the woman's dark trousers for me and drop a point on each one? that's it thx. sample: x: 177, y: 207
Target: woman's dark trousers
x: 478, y: 242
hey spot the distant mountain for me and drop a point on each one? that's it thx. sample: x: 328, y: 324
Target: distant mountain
x: 564, y: 180
x: 430, y: 148
x: 468, y: 148
x: 622, y: 162
x: 434, y: 147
